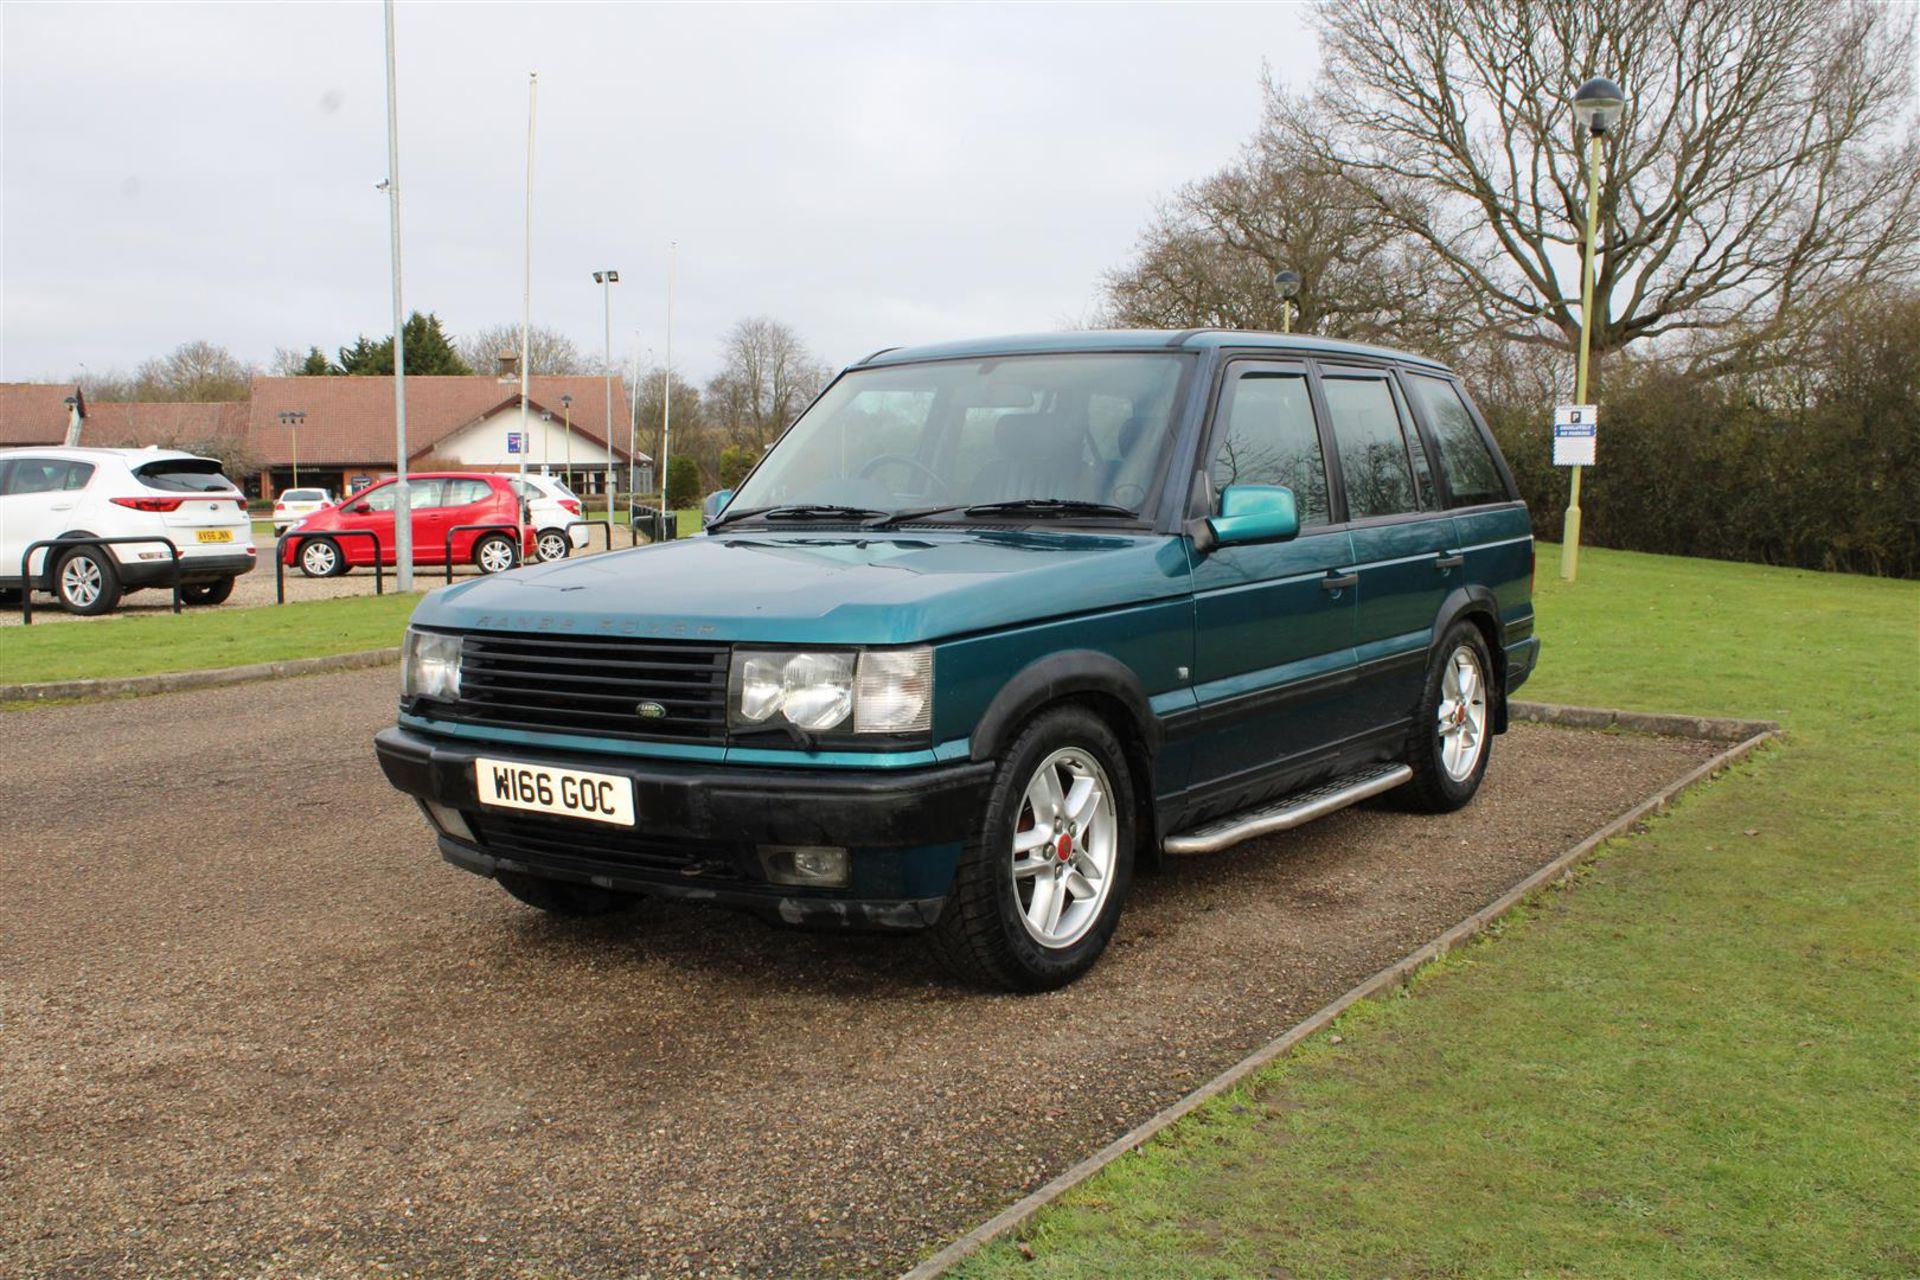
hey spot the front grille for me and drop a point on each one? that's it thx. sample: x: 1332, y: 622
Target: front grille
x: 588, y: 848
x: 593, y: 685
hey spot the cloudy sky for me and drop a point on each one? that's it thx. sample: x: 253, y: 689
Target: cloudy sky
x: 873, y: 175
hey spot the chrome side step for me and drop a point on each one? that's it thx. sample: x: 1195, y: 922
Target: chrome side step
x: 1289, y: 812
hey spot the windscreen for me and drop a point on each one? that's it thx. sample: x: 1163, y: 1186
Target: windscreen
x: 1081, y: 428
x: 184, y: 475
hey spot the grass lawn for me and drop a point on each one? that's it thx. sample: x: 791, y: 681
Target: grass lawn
x: 134, y: 646
x: 1701, y: 1062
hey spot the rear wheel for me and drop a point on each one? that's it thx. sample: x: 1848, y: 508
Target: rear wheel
x: 554, y: 544
x: 1039, y: 888
x: 563, y: 897
x: 494, y: 553
x: 1453, y: 727
x: 321, y: 558
x: 86, y: 581
x: 207, y: 593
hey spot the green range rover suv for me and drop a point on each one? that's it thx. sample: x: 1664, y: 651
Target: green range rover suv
x: 993, y: 626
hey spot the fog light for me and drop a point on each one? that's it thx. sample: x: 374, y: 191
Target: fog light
x: 810, y: 866
x: 448, y: 821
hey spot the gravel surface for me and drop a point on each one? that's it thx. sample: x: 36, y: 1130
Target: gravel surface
x: 256, y: 588
x: 251, y: 1025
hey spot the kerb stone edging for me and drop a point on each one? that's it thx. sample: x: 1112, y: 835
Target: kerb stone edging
x: 1558, y: 871
x: 176, y: 681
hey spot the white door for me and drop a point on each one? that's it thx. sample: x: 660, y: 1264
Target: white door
x: 37, y: 496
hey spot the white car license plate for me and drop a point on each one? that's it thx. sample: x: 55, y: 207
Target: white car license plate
x: 571, y: 793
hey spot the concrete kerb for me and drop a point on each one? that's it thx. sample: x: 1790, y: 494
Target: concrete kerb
x: 178, y: 681
x: 1560, y: 870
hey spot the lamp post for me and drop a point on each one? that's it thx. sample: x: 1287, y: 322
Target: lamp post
x: 566, y: 408
x: 1597, y: 105
x: 1287, y: 283
x: 291, y: 420
x: 606, y: 280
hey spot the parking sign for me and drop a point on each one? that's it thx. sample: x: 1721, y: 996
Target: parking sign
x: 1576, y: 431
x: 516, y: 442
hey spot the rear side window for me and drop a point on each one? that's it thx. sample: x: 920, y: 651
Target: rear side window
x: 1374, y: 460
x: 45, y: 475
x: 1268, y: 437
x: 461, y: 493
x: 1472, y: 475
x: 184, y: 475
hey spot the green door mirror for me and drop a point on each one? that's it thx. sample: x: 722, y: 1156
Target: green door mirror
x: 716, y: 503
x: 1251, y: 513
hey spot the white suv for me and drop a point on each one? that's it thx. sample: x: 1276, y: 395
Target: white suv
x: 295, y: 505
x: 120, y: 493
x: 554, y: 512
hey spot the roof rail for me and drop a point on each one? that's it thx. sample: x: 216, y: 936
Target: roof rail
x: 872, y: 356
x: 1180, y: 339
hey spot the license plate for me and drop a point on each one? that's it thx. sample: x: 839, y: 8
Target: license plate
x: 215, y: 535
x: 571, y: 793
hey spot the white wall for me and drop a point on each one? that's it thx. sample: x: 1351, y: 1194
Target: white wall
x: 485, y: 444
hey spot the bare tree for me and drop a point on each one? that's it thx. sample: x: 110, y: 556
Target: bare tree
x: 1768, y: 164
x: 1210, y: 254
x: 196, y: 371
x: 767, y: 377
x: 549, y: 350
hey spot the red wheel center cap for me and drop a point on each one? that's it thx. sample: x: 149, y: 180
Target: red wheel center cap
x: 1064, y: 847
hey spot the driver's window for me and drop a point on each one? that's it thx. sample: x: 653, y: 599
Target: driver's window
x: 381, y: 499
x: 1267, y: 436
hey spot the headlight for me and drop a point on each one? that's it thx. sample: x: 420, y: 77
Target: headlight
x: 430, y: 666
x: 881, y: 691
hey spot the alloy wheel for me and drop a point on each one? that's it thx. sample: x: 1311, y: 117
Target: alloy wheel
x: 1064, y: 844
x: 81, y: 582
x: 1462, y: 714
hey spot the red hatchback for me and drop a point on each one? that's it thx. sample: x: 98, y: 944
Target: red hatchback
x: 441, y: 503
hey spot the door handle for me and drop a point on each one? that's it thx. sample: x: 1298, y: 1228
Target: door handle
x: 1454, y: 561
x: 1340, y: 582
x: 62, y: 506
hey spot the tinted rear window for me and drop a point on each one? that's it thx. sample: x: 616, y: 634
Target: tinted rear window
x: 46, y: 475
x: 1471, y: 474
x: 305, y: 495
x: 184, y: 475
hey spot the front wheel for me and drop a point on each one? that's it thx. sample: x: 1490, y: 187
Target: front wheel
x: 563, y: 897
x: 554, y: 544
x: 321, y: 558
x: 1453, y: 726
x: 87, y: 581
x: 494, y: 553
x: 1040, y: 886
x: 207, y: 593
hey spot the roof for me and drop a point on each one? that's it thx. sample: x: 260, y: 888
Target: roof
x: 1080, y: 340
x: 34, y: 412
x: 350, y: 419
x: 135, y: 424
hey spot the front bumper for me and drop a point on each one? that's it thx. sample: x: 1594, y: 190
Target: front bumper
x: 702, y: 827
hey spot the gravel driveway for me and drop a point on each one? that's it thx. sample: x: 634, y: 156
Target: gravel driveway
x: 251, y: 1025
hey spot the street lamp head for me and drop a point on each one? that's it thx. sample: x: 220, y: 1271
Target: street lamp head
x: 1287, y: 283
x: 1597, y: 104
x: 613, y: 277
x: 566, y: 402
x: 599, y: 277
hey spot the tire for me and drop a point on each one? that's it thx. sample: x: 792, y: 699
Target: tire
x: 994, y: 928
x: 1452, y: 736
x: 321, y: 558
x: 563, y: 897
x: 554, y: 544
x: 206, y: 593
x: 87, y: 582
x: 494, y: 553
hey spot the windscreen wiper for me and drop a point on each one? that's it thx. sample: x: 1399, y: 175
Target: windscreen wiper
x: 1051, y: 507
x: 799, y: 511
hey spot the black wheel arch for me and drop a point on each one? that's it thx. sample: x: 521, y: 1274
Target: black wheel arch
x: 1478, y: 605
x: 1108, y: 687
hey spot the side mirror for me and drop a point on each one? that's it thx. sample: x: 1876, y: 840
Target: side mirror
x: 716, y: 503
x: 359, y: 509
x: 1249, y: 513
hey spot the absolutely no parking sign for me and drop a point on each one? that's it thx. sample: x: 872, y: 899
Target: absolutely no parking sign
x: 1576, y: 433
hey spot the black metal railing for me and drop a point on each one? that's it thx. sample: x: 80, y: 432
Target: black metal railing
x: 280, y: 559
x: 46, y: 544
x: 518, y: 533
